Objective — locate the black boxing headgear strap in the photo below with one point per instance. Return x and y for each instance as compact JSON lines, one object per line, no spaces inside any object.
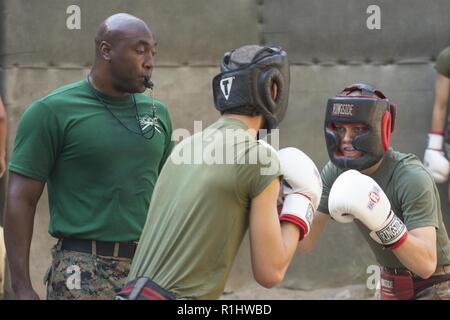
{"x":248,"y":89}
{"x":370,"y":108}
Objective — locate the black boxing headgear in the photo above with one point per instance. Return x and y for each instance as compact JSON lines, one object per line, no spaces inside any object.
{"x":248,"y":88}
{"x":370,"y":108}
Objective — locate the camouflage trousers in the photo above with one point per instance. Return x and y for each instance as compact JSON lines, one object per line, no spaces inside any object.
{"x":439,"y":291}
{"x":83,"y":276}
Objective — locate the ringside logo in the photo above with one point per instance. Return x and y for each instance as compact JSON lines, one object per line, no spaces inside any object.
{"x":394,"y":230}
{"x":343,"y":109}
{"x":374,"y":197}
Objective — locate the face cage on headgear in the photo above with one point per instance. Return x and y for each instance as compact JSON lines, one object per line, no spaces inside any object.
{"x":248,"y":89}
{"x":376,"y":113}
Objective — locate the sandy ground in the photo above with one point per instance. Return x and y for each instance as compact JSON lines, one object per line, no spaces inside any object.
{"x":255,"y":292}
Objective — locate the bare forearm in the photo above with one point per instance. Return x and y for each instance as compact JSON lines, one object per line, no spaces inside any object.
{"x":439,"y":117}
{"x":417,"y":255}
{"x":441,"y":99}
{"x":308,"y":243}
{"x":272,"y":253}
{"x":290,"y":235}
{"x":18,"y":228}
{"x":3,"y":131}
{"x":319,"y":223}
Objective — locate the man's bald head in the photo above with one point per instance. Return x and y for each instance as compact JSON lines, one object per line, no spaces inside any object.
{"x":118,"y":27}
{"x":125,"y":49}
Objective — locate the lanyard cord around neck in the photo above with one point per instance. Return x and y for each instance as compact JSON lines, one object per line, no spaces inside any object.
{"x":140,"y":132}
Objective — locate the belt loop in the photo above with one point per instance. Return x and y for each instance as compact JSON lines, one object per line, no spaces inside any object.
{"x":446,"y":268}
{"x":116,"y":249}
{"x":438,"y":270}
{"x":94,"y":247}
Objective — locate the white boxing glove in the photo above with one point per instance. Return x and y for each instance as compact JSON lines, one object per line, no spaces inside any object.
{"x":355,"y":195}
{"x":434,"y":159}
{"x":302,"y":188}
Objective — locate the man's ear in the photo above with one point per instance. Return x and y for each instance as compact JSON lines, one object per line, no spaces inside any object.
{"x":105,"y":50}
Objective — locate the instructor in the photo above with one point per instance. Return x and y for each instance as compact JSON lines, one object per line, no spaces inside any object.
{"x":99,"y":145}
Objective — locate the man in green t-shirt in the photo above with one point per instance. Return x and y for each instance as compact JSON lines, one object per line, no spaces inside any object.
{"x":221,"y":182}
{"x":435,"y":159}
{"x":99,"y":145}
{"x":389,"y":194}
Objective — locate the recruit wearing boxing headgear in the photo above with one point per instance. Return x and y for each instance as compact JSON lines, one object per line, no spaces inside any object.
{"x":370,"y":108}
{"x":258,"y":87}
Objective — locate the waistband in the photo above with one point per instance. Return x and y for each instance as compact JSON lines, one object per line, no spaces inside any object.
{"x":144,"y":288}
{"x":440,"y":270}
{"x":101,"y":248}
{"x":441,"y":274}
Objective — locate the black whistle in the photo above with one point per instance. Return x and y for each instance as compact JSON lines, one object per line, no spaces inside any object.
{"x":148,"y":83}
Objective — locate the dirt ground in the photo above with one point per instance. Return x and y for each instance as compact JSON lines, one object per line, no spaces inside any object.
{"x":255,"y":292}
